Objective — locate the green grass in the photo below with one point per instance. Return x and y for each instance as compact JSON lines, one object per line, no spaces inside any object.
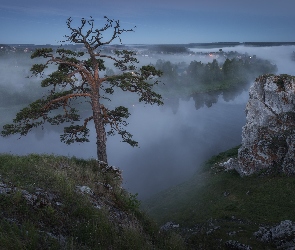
{"x":231,"y":202}
{"x":207,"y":217}
{"x":69,"y":220}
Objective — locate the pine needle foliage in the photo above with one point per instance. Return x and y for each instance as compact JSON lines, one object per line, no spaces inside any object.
{"x":81,"y":76}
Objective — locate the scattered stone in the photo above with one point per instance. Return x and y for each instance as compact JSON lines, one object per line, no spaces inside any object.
{"x":60,"y":238}
{"x":37,"y":199}
{"x":107,"y":168}
{"x":118,"y":216}
{"x":233,"y":244}
{"x":108,"y":186}
{"x":4,"y":189}
{"x":30,"y":198}
{"x":97,"y":206}
{"x":212,"y":230}
{"x":282,"y":235}
{"x":84,"y":189}
{"x":229,"y":164}
{"x":232,"y":233}
{"x":225,"y":194}
{"x":168,"y":226}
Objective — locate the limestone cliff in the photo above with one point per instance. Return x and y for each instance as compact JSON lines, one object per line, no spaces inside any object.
{"x":268,"y":138}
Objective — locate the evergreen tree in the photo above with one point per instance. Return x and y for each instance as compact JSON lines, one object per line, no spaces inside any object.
{"x":78,"y":75}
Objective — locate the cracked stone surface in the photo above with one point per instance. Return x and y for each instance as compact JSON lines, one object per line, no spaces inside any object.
{"x":268,"y":138}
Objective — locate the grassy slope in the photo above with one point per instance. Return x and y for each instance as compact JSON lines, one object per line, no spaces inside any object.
{"x":230,"y":202}
{"x":199,"y":204}
{"x":30,"y":219}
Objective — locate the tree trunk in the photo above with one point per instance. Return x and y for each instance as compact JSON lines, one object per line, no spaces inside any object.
{"x":101,"y":138}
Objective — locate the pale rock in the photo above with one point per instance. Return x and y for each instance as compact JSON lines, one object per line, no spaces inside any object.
{"x":169,"y":225}
{"x":84,"y":189}
{"x":281,"y":235}
{"x":268,"y":138}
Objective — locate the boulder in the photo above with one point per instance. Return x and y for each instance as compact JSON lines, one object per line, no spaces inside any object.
{"x":282,"y":235}
{"x":268,"y":138}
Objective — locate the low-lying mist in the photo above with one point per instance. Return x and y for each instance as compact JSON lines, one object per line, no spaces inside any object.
{"x":171,"y":145}
{"x":279,"y":55}
{"x":174,"y":139}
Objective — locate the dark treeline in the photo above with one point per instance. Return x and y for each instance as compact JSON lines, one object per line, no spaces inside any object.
{"x":199,"y":77}
{"x":168,"y":48}
{"x":205,"y":82}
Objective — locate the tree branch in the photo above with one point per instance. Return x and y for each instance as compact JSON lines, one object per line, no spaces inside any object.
{"x":64,"y":98}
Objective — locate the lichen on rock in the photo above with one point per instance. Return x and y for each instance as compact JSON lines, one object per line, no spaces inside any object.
{"x":268,"y":138}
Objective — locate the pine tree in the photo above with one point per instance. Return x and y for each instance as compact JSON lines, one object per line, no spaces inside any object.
{"x":78,"y":75}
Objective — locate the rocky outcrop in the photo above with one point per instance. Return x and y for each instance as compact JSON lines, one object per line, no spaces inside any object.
{"x":268,"y":138}
{"x":282,"y":235}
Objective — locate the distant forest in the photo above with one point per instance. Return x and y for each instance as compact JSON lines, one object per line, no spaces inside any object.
{"x":228,"y":71}
{"x":198,"y":77}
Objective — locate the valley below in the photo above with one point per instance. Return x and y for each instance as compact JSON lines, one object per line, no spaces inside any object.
{"x":176,"y":177}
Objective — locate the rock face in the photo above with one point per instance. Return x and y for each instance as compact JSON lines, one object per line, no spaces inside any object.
{"x":268,"y":138}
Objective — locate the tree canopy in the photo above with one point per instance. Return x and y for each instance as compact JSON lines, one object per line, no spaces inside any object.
{"x":82,"y":75}
{"x":200,"y":77}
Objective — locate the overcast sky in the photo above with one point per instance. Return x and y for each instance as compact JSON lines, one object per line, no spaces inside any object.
{"x":156,"y":21}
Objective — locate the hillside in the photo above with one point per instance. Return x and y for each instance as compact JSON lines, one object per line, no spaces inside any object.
{"x":218,"y":209}
{"x":50,"y":202}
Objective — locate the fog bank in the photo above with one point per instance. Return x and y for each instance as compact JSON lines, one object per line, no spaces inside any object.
{"x":173,"y":141}
{"x":172,"y":146}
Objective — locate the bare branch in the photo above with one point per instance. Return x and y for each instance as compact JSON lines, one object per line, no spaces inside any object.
{"x":93,"y":38}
